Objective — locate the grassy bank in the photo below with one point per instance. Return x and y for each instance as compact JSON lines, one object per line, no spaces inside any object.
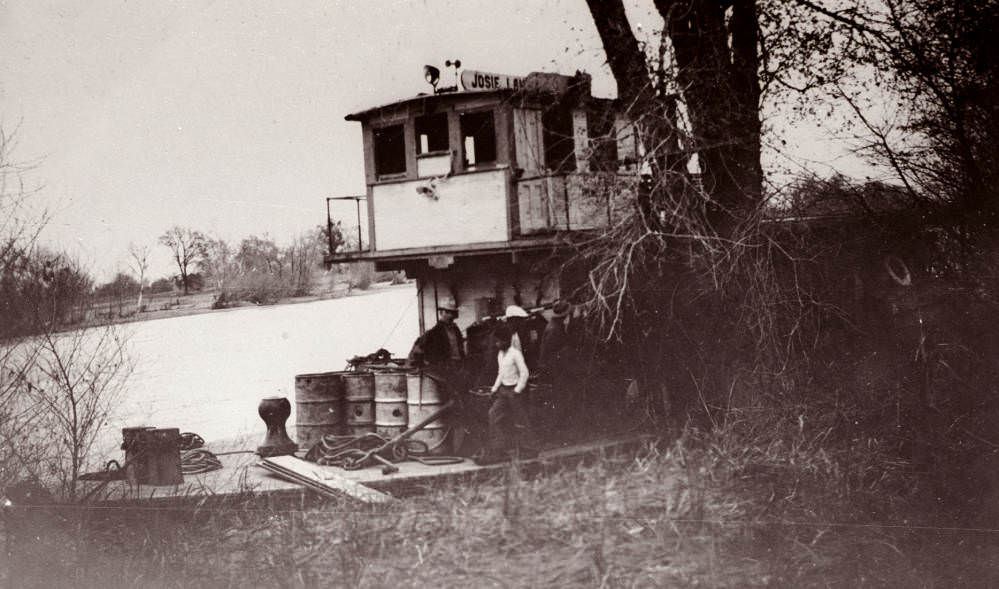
{"x":703,"y":510}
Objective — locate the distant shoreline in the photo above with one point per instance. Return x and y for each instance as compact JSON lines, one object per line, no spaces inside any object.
{"x":200,"y":304}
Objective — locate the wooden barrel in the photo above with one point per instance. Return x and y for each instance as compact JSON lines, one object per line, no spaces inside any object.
{"x":319,"y":407}
{"x":359,"y":390}
{"x":424,"y":396}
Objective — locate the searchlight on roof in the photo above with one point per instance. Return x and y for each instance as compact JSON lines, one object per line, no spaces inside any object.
{"x":433,"y":76}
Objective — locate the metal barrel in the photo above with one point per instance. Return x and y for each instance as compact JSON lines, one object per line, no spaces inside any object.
{"x":359,"y":389}
{"x":319,"y":407}
{"x":390,"y":385}
{"x":391,"y":415}
{"x":425,"y":395}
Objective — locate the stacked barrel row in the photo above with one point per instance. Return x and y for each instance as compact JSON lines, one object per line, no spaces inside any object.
{"x":359,"y":402}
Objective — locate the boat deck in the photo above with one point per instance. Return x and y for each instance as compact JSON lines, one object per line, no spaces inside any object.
{"x":242,"y":476}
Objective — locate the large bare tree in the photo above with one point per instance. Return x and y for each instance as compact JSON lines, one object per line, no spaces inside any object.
{"x":188,"y":247}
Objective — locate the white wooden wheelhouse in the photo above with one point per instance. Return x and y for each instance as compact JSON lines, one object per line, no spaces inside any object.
{"x":475,"y":193}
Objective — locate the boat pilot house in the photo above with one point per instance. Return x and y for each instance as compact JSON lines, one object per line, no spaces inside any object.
{"x":474,"y":192}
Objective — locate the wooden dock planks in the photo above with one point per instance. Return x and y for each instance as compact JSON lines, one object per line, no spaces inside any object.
{"x":321,"y":480}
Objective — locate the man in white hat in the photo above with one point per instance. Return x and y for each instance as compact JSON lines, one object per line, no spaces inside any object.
{"x":515,"y":317}
{"x":527,"y":329}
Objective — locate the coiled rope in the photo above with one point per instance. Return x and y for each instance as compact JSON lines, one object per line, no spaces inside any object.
{"x":349,"y":452}
{"x":194,"y":458}
{"x":198,"y":461}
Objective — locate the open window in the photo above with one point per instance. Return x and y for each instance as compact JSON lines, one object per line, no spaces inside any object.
{"x":431,"y":134}
{"x":478,"y":137}
{"x":603,"y":140}
{"x":390,"y":151}
{"x":560,"y":145}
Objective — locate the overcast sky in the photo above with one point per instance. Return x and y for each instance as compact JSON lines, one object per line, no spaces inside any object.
{"x":228,"y":116}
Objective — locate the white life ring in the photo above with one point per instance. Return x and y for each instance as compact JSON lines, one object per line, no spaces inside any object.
{"x":903,"y":277}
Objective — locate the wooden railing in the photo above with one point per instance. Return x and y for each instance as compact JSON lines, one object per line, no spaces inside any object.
{"x":573,"y":202}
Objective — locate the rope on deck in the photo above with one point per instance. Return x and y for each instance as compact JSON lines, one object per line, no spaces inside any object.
{"x":348,"y":451}
{"x":194,"y":458}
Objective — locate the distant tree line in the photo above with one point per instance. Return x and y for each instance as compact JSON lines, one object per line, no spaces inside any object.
{"x":256,"y":269}
{"x":41,"y":288}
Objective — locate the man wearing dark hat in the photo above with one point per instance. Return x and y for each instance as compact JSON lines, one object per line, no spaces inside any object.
{"x":443,"y":343}
{"x":442,"y":349}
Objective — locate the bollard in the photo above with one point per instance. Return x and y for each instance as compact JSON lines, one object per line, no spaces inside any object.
{"x":275,"y":412}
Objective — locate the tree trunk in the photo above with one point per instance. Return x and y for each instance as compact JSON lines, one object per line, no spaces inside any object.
{"x":653,"y":112}
{"x":716,"y":68}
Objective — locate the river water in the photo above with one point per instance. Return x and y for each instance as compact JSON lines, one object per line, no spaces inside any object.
{"x":207,"y":373}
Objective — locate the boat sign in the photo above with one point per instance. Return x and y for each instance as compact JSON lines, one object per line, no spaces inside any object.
{"x":474,"y":80}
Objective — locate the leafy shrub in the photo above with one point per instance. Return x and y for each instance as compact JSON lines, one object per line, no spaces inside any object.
{"x":260,"y":288}
{"x":361,"y":276}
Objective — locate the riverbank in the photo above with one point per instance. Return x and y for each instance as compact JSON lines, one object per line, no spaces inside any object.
{"x":172,"y":305}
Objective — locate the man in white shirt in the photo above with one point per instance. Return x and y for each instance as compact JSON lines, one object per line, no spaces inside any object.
{"x":509,"y":426}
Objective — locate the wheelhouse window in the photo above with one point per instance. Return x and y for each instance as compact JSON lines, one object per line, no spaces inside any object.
{"x":390,"y":151}
{"x":431,"y":133}
{"x":560,"y":145}
{"x":603,"y":140}
{"x":478,"y":136}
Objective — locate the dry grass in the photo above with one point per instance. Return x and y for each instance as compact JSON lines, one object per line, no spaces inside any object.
{"x":705,"y":511}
